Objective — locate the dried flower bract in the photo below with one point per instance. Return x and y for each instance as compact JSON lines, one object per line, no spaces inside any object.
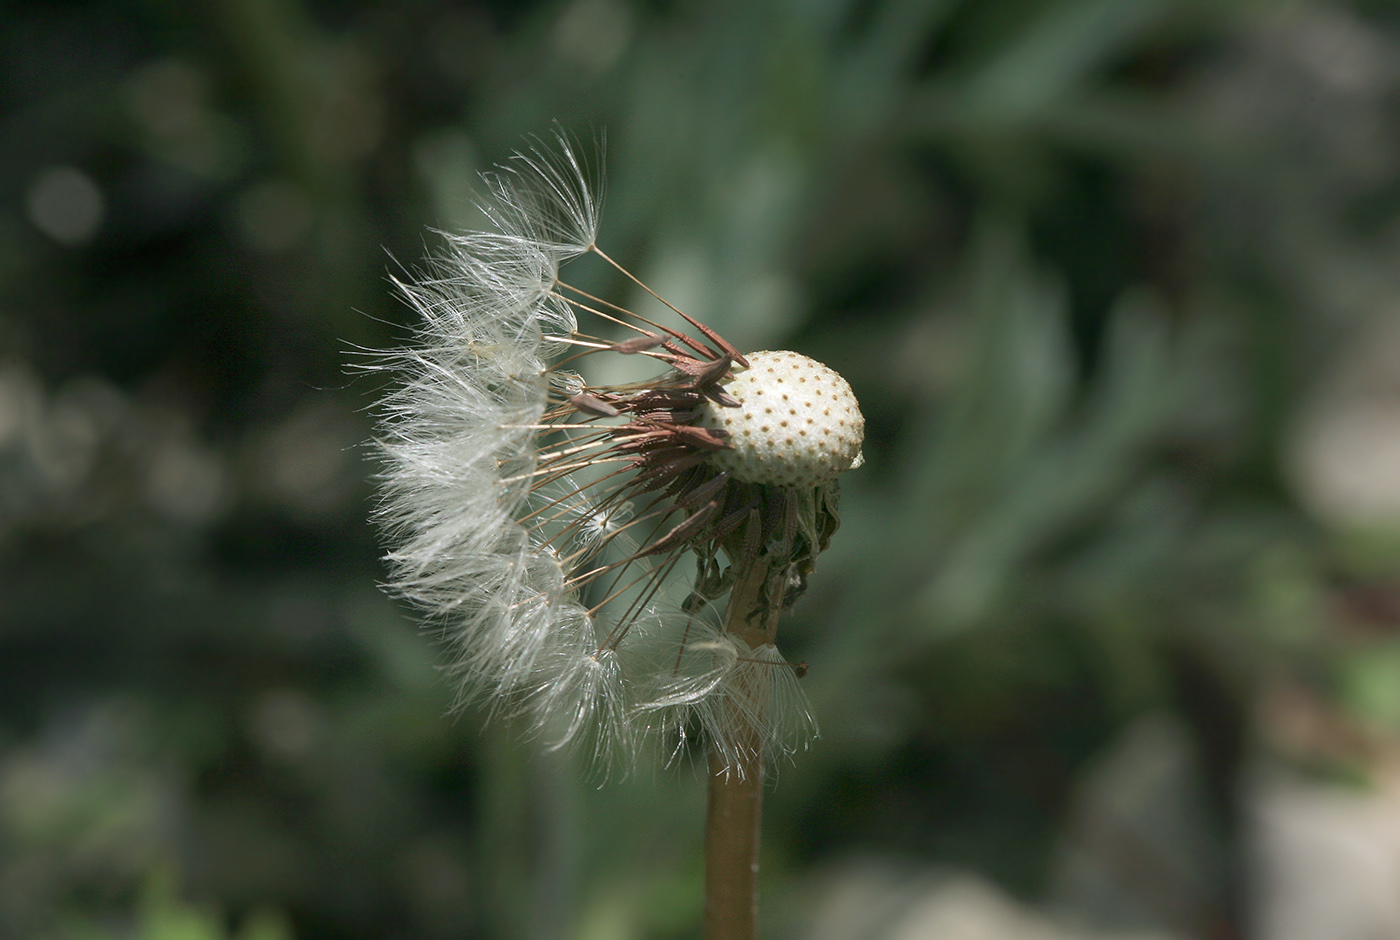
{"x":575,"y":540}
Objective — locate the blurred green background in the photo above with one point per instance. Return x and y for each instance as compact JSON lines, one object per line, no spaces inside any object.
{"x":1111,"y":623}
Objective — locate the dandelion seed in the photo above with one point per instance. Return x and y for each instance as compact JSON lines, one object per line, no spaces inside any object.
{"x":549,"y":525}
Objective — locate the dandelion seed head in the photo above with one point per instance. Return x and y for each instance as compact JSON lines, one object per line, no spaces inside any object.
{"x":572,"y":540}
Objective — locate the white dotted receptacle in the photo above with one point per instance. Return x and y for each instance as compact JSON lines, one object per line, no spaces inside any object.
{"x":797,"y":424}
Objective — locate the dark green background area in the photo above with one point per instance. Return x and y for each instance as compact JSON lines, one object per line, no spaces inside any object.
{"x":1100,"y":272}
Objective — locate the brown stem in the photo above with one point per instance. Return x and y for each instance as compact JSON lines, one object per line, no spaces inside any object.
{"x":736,"y":785}
{"x":731,"y":850}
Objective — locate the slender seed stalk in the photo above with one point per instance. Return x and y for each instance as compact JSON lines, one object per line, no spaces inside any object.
{"x":735,"y":806}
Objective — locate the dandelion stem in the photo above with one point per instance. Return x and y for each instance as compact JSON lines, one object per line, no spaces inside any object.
{"x":731,"y":850}
{"x":735,"y":810}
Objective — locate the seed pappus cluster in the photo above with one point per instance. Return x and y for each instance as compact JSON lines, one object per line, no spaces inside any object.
{"x":573,"y":540}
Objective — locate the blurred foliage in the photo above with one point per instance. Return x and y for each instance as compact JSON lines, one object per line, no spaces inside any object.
{"x":1111,"y":278}
{"x":161,"y":915}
